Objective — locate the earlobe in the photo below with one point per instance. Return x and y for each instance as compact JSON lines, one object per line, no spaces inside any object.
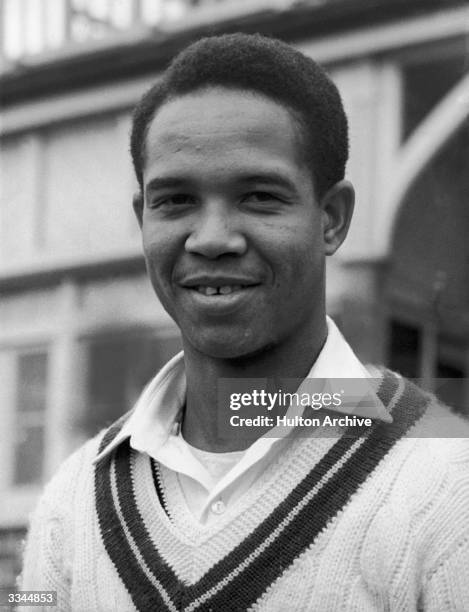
{"x":337,"y":205}
{"x":138,"y":207}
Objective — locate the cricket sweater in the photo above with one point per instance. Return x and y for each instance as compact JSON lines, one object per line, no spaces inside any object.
{"x":373,"y":522}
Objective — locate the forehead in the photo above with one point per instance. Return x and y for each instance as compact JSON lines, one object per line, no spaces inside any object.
{"x":222,"y":125}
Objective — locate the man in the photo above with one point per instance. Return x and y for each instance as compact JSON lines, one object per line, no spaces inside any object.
{"x":240,"y":152}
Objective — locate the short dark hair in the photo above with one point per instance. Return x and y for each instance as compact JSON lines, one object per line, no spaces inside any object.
{"x":262,"y":65}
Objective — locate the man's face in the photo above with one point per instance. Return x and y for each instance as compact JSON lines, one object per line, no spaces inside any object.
{"x":232,"y":230}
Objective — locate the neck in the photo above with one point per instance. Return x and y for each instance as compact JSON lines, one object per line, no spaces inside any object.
{"x":200,"y":426}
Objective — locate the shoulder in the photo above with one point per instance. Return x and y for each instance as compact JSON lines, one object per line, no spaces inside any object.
{"x":429,"y":461}
{"x":49,"y":550}
{"x":76,"y":472}
{"x":69,"y":481}
{"x":74,"y":478}
{"x":422,"y":413}
{"x":435,"y":440}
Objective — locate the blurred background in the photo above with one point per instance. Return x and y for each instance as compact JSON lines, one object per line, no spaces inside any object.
{"x":80,"y":330}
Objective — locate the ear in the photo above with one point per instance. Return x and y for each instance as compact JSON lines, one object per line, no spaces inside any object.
{"x":138,"y":207}
{"x":337,"y":206}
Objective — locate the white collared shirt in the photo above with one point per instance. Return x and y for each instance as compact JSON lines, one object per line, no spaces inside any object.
{"x":211,"y":482}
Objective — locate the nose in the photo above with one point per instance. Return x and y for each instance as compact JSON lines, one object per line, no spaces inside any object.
{"x":215,"y":233}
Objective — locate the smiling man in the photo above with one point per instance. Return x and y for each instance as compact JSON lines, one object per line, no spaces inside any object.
{"x":235,"y":239}
{"x":240,"y":153}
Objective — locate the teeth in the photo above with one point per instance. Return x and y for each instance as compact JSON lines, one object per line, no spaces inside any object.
{"x":209,"y":290}
{"x":225,"y":290}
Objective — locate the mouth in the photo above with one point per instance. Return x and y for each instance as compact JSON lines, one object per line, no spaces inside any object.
{"x":219,"y":297}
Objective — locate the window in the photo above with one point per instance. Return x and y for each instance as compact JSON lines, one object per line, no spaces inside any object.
{"x":31,"y":391}
{"x":10,"y":556}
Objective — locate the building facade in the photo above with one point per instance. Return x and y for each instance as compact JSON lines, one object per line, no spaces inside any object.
{"x":80,"y":329}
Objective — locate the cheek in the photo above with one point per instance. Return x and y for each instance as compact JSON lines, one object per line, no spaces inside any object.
{"x":299,"y":259}
{"x":158,"y":260}
{"x":159,"y":250}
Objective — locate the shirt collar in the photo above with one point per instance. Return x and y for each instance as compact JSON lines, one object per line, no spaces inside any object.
{"x":158,"y":410}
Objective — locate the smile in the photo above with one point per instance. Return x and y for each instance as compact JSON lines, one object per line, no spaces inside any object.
{"x":219,"y":298}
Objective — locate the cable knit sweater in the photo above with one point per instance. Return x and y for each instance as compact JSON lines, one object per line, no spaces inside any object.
{"x":356,"y":523}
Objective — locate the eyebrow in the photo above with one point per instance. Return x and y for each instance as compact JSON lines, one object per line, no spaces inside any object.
{"x":272,"y":178}
{"x":164,"y":183}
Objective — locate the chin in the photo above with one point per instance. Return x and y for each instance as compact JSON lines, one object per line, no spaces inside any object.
{"x":229,"y":347}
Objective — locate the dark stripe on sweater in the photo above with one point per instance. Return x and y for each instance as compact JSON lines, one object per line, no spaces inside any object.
{"x":141,"y":590}
{"x":158,"y":488}
{"x":174,"y":587}
{"x":138,"y":530}
{"x":113,"y":430}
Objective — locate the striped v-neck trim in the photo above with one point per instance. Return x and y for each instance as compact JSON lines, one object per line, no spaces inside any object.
{"x":243,"y":575}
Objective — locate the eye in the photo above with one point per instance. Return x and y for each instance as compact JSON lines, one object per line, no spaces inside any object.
{"x":260,"y":197}
{"x":174,"y":200}
{"x":180,"y":198}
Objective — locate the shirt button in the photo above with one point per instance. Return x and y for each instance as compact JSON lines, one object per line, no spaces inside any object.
{"x":218,"y":507}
